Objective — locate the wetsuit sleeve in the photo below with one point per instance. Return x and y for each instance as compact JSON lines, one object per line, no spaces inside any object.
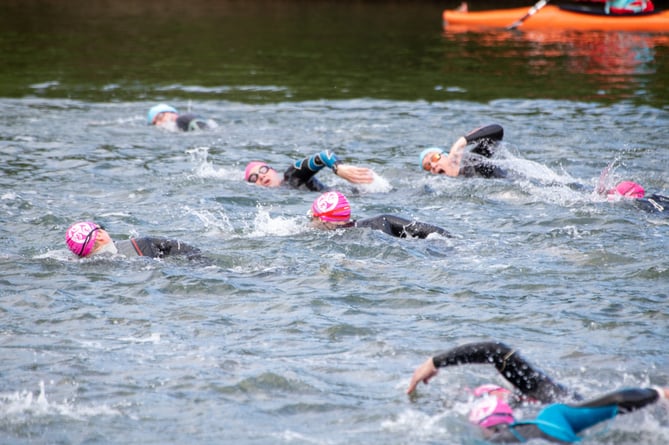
{"x":653,"y":204}
{"x":513,"y":367}
{"x":493,"y":132}
{"x":302,"y":173}
{"x":486,"y":139}
{"x":626,"y":400}
{"x":162,"y":247}
{"x":401,"y":227}
{"x":191,"y":122}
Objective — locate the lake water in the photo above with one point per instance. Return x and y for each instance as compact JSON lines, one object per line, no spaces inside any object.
{"x":293,"y":335}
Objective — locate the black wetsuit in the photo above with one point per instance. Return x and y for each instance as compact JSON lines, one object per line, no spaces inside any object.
{"x":654,"y":204}
{"x":303,"y":173}
{"x":191,"y":122}
{"x":556,"y":422}
{"x":399,"y":227}
{"x":156,"y":248}
{"x":474,"y":161}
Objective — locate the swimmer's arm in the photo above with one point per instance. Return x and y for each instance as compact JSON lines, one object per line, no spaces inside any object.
{"x":308,"y":167}
{"x":303,"y":170}
{"x":351,"y":173}
{"x":629,"y":399}
{"x":356,"y":175}
{"x":510,"y":364}
{"x":481,"y":353}
{"x":494,"y":132}
{"x":423,"y":373}
{"x":454,"y":158}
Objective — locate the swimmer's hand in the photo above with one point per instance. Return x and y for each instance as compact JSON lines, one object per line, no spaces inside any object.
{"x":424,"y":372}
{"x":356,"y":175}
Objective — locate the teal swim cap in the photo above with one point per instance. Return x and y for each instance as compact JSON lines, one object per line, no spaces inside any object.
{"x":156,"y":110}
{"x":426,"y":151}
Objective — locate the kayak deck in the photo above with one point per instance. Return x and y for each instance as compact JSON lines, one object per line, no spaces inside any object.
{"x":553,"y":17}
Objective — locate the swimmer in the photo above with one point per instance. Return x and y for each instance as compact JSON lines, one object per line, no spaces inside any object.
{"x":86,"y":238}
{"x":302,"y":174}
{"x":556,"y":422}
{"x":331,"y":211}
{"x":166,"y":116}
{"x":629,"y":190}
{"x":467,"y":164}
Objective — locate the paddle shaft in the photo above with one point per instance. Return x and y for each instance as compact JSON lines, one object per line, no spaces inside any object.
{"x":540,"y":4}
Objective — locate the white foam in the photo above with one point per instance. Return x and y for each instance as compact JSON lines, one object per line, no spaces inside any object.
{"x":265,"y":224}
{"x":17,"y":405}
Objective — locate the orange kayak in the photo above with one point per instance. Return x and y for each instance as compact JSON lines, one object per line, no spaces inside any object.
{"x":553,"y":17}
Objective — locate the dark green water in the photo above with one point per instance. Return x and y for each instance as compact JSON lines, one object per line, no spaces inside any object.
{"x":302,"y":50}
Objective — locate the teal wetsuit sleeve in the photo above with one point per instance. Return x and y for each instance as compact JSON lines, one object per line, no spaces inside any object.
{"x":302,"y":172}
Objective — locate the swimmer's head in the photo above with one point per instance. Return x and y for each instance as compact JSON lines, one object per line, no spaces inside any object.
{"x":491,"y":411}
{"x":425,"y":162}
{"x":331,"y":207}
{"x":260,"y":173}
{"x":250,"y":168}
{"x":628,"y":189}
{"x":80,"y":237}
{"x":156,"y":110}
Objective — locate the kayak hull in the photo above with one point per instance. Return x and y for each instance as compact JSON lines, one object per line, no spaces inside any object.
{"x":553,"y":18}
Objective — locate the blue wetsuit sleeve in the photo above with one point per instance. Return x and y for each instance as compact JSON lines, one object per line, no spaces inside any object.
{"x":302,"y":172}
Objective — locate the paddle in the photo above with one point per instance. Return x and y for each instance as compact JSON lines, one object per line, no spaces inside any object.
{"x":533,"y":10}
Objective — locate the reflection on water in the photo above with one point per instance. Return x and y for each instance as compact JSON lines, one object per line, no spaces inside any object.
{"x":612,"y":64}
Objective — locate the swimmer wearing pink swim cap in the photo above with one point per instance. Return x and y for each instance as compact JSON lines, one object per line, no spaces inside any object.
{"x":302,"y":174}
{"x":86,"y":239}
{"x":563,"y":418}
{"x":331,"y":210}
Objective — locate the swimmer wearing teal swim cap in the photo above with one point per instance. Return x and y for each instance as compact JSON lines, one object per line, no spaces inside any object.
{"x":472,"y":163}
{"x":166,"y":116}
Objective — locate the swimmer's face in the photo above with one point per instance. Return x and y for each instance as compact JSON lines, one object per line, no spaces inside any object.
{"x":265,"y":176}
{"x":102,"y":238}
{"x":434,"y":162}
{"x":326,"y":225}
{"x":164,"y":118}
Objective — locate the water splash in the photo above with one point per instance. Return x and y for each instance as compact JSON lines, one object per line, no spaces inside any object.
{"x":17,"y":406}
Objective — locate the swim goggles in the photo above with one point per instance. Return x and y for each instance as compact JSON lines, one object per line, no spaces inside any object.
{"x":434,"y":158}
{"x":253,"y":177}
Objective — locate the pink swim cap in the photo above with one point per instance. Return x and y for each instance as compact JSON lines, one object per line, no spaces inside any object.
{"x":628,"y":189}
{"x":251,"y":165}
{"x":488,"y":388}
{"x":491,"y":411}
{"x":80,"y":237}
{"x":331,"y":207}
